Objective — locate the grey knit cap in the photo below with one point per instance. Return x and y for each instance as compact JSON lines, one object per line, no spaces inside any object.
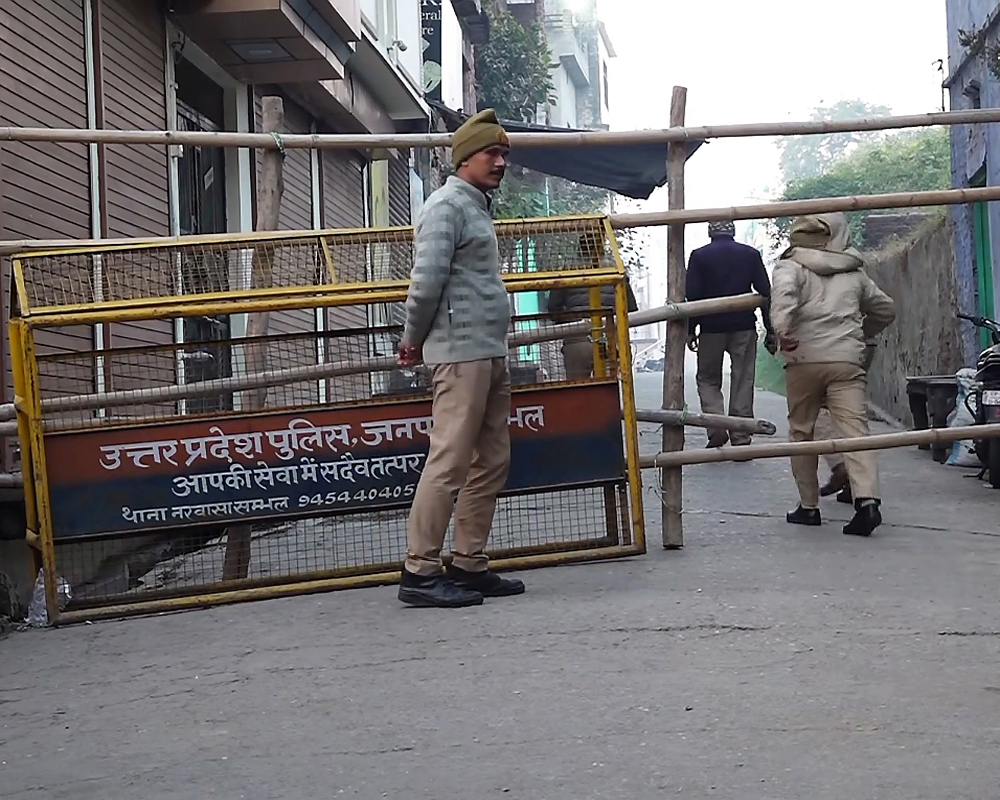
{"x":721,"y":228}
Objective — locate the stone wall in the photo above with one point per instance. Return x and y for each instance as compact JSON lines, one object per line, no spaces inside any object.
{"x":925,"y":339}
{"x":880,"y":229}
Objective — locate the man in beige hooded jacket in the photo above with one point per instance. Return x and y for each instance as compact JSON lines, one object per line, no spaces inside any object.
{"x":824,"y":309}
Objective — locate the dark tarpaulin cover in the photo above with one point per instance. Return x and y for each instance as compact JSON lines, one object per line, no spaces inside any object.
{"x":630,"y":170}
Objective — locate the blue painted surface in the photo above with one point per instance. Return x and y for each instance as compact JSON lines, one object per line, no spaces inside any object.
{"x":971,"y":146}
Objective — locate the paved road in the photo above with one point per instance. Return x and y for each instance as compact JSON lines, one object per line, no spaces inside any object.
{"x":759,"y":663}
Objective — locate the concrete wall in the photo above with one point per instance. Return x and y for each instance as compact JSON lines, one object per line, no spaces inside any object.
{"x":919,"y":275}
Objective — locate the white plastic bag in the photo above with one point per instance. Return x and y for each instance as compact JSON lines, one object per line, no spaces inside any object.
{"x":963,"y":454}
{"x":38,"y":614}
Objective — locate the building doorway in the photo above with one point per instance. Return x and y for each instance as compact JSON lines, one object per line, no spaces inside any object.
{"x":202,"y":210}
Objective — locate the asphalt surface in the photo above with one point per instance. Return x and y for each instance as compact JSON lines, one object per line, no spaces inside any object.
{"x":760,"y":662}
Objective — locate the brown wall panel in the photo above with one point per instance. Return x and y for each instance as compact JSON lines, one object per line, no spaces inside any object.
{"x":132,"y":37}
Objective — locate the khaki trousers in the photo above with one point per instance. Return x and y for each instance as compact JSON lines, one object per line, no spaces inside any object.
{"x":840,"y":387}
{"x":466,"y":467}
{"x":824,"y":430}
{"x":742,"y":349}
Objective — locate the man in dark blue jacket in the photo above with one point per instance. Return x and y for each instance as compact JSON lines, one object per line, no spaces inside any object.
{"x":723,"y":268}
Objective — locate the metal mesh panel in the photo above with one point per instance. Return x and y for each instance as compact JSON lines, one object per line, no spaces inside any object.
{"x":140,"y":567}
{"x":235,"y":263}
{"x":328,"y":348}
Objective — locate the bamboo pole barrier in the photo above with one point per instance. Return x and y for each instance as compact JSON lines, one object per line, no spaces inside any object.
{"x":881,"y":441}
{"x":785,"y":208}
{"x":682,"y":418}
{"x":675,"y":133}
{"x":821,"y":205}
{"x":691,"y":308}
{"x":671,"y":478}
{"x":338,"y":369}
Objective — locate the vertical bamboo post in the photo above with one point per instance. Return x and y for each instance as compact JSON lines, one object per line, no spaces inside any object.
{"x":270,"y":185}
{"x":673,"y":362}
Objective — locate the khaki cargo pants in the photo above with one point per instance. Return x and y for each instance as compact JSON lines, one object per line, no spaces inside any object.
{"x":466,"y":467}
{"x":840,"y":387}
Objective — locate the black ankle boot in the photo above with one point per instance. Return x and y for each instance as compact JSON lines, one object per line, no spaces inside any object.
{"x":487,"y":582}
{"x":867,"y":518}
{"x":435,"y":591}
{"x":838,"y":480}
{"x":804,"y":516}
{"x":845,"y":496}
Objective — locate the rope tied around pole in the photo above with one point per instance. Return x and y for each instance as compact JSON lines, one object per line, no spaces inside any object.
{"x":279,"y":142}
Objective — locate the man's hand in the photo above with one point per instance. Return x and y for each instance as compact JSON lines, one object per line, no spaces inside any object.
{"x":410,"y":354}
{"x":869,"y":356}
{"x":787,"y":343}
{"x":771,"y":343}
{"x":693,"y":342}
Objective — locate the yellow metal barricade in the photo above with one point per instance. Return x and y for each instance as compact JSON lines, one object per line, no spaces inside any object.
{"x":185,"y":463}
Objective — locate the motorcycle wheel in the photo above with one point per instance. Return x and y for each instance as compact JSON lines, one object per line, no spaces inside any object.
{"x":993,"y":466}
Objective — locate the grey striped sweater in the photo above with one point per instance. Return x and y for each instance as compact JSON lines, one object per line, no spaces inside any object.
{"x":457,"y":305}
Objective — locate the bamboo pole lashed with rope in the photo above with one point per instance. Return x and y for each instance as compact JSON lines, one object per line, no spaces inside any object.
{"x":784,"y":208}
{"x":722,"y":421}
{"x":880,"y":441}
{"x":350,"y":141}
{"x":336,"y":369}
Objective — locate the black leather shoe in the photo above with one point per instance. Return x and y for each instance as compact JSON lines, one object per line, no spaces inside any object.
{"x":487,"y":582}
{"x":804,"y":516}
{"x":845,"y":496}
{"x":867,"y":518}
{"x":838,"y":480}
{"x":435,"y":591}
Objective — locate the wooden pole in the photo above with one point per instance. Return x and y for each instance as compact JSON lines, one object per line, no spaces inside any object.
{"x":270,"y":186}
{"x":682,"y":418}
{"x":715,"y":305}
{"x":943,"y":197}
{"x":822,"y":205}
{"x":671,"y":479}
{"x":881,"y":441}
{"x":264,"y":141}
{"x":336,"y":369}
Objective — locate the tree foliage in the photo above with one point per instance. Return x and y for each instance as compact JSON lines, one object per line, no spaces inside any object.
{"x":632,"y":244}
{"x":513,"y":74}
{"x":513,"y":68}
{"x":807,"y":156}
{"x":525,"y":193}
{"x":904,"y":162}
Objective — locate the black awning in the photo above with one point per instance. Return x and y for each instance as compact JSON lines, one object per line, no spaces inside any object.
{"x":633,"y":170}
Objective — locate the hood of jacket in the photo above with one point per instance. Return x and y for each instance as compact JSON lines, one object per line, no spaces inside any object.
{"x":822,"y":244}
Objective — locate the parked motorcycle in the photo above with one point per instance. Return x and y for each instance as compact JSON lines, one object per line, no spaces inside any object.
{"x":987,"y":396}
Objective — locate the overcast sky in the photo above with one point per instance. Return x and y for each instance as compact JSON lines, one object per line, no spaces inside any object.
{"x":764,"y":61}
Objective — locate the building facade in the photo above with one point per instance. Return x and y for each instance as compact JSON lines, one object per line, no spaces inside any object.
{"x":975,"y":158}
{"x":341,"y":66}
